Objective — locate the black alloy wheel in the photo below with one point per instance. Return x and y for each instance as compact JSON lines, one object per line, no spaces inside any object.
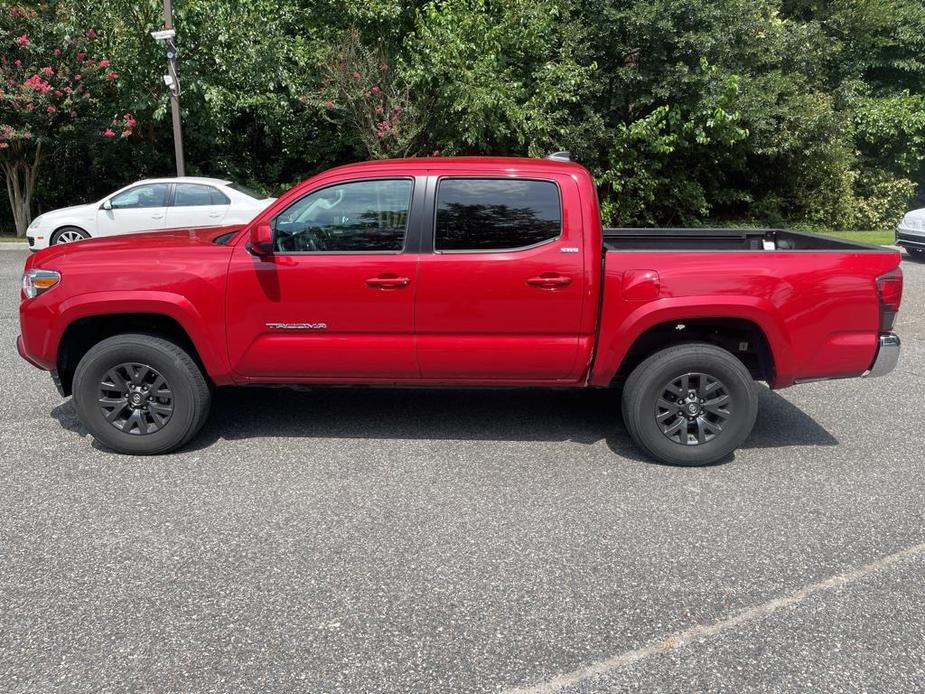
{"x":690,"y":404}
{"x":135,"y":398}
{"x":141,"y":394}
{"x":693,"y":408}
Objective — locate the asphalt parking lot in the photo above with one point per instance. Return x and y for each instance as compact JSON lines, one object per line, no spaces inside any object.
{"x":456,"y":541}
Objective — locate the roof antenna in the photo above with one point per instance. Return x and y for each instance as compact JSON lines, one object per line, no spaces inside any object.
{"x":563,"y":155}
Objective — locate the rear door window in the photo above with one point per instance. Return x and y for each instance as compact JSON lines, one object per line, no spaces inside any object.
{"x":482,"y":214}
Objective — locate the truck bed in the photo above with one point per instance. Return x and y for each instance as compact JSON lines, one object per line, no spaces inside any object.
{"x":668,"y":239}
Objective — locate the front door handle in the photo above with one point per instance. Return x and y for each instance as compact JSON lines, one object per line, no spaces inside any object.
{"x":388,"y":281}
{"x":550,"y":280}
{"x":157,"y":215}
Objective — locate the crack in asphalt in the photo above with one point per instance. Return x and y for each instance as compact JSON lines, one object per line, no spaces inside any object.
{"x":706,"y":631}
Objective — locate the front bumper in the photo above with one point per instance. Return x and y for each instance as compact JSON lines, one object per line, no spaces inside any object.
{"x":887,"y":356}
{"x":21,"y":348}
{"x":910,"y":238}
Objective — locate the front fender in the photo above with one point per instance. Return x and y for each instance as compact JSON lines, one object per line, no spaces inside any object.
{"x":206,"y":336}
{"x":621,"y":328}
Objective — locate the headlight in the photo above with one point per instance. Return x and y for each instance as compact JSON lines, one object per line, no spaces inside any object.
{"x":36,"y":281}
{"x":36,"y":223}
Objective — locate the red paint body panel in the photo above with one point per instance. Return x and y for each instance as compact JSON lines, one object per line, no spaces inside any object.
{"x":478,"y":317}
{"x":369,"y":331}
{"x":178,"y":274}
{"x":461,"y":318}
{"x":805,"y":303}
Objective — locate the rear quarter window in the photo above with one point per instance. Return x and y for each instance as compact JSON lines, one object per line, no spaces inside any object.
{"x":483,"y":214}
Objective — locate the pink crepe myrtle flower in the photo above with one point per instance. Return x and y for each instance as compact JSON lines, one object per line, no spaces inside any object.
{"x":48,"y":71}
{"x":4,"y":145}
{"x":329,"y":104}
{"x":104,"y":63}
{"x":375,"y":90}
{"x":51,"y":109}
{"x":23,"y":40}
{"x":91,"y":34}
{"x":38,"y":84}
{"x":108,"y":132}
{"x":57,"y":52}
{"x":112,"y":76}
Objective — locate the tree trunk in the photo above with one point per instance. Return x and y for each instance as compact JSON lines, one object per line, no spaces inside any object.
{"x":20,"y":174}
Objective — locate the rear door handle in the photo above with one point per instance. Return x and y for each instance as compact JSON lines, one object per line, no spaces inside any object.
{"x":550,"y":280}
{"x":388,"y":281}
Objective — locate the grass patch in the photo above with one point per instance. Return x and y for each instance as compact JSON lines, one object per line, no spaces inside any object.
{"x":880,"y":238}
{"x":11,"y":238}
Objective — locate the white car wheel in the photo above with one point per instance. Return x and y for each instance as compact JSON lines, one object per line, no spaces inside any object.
{"x":68,"y":235}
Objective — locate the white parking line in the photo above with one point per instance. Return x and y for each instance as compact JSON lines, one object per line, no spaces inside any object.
{"x":705,"y":631}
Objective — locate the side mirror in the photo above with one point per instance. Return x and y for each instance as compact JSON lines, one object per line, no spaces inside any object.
{"x":261,"y":239}
{"x":107,"y":205}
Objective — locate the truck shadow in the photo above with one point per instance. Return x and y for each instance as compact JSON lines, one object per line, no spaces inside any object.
{"x":471,"y":415}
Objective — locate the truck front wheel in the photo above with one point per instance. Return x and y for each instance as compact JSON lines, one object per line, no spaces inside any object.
{"x":140,"y":394}
{"x":691,"y":404}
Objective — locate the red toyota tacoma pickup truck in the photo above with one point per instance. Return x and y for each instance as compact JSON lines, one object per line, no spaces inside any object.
{"x":455,"y":272}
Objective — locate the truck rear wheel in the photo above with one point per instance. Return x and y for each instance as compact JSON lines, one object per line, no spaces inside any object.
{"x":690,"y":404}
{"x":140,"y":394}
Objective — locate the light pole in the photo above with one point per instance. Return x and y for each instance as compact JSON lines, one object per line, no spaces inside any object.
{"x":171,"y":79}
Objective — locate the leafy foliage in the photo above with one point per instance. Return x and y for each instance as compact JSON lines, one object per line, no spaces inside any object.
{"x":807,"y":112}
{"x":54,"y":86}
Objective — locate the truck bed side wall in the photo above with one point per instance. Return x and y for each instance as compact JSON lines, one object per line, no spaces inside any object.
{"x":818,"y":310}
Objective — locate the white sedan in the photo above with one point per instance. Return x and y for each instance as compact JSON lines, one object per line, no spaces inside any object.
{"x":150,"y":205}
{"x":910,"y":233}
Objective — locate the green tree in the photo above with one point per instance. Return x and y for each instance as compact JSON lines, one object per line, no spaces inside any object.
{"x":503,"y":77}
{"x":54,"y":89}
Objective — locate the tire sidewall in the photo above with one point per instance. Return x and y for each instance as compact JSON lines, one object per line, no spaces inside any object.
{"x":743,"y":403}
{"x":86,"y":392}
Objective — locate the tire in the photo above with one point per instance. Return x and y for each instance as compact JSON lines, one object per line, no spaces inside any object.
{"x":67,"y":235}
{"x":173,"y":396}
{"x":710,"y":434}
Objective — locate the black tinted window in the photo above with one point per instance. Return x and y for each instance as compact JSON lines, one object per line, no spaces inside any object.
{"x":194,"y":195}
{"x":360,"y":216}
{"x":495,"y":214}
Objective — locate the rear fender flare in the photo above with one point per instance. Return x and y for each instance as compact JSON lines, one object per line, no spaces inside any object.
{"x":617,"y":337}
